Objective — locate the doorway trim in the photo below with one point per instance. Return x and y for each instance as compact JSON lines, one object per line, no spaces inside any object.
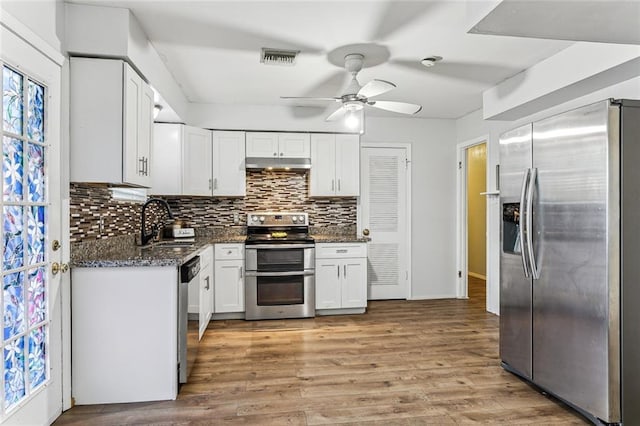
{"x":407,"y":148}
{"x":462,"y":284}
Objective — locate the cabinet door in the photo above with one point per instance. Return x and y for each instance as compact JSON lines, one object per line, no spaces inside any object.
{"x":144,"y":147}
{"x":323,"y":152}
{"x":196,"y":162}
{"x":228,"y":163}
{"x":294,"y":145}
{"x":166,"y":175}
{"x":354,"y":282}
{"x":347,"y":165}
{"x":206,"y":299}
{"x":229,"y":288}
{"x":132,"y":165}
{"x":328,"y":275}
{"x":262,"y":144}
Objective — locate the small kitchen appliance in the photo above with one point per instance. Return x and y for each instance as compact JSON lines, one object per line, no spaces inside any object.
{"x":280,"y":266}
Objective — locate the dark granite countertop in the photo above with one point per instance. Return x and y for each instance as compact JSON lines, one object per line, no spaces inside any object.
{"x":122,"y":251}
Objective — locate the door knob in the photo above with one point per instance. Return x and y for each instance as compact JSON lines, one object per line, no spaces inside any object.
{"x":55,"y":245}
{"x":365,"y":232}
{"x":59,"y":267}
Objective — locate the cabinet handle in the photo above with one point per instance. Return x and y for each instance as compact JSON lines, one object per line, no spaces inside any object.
{"x":338,"y":184}
{"x":342,"y":251}
{"x":206,"y":287}
{"x":210,"y":184}
{"x":215,"y":184}
{"x":345,"y":271}
{"x":146,"y":166}
{"x":333,"y":184}
{"x":241,"y":272}
{"x":141,"y":167}
{"x":338,"y":271}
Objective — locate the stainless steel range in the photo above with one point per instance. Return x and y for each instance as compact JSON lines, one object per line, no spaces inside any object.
{"x":280,"y":266}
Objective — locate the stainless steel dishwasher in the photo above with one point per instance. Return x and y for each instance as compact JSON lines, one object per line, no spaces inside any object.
{"x":187,"y":325}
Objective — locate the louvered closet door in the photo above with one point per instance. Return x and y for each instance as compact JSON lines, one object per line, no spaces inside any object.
{"x":383,"y":203}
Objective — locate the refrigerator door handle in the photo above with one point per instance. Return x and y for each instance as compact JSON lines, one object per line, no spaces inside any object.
{"x":523,"y":222}
{"x":535,"y":273}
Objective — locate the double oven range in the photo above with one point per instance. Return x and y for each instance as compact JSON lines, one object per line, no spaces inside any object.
{"x":280,"y":266}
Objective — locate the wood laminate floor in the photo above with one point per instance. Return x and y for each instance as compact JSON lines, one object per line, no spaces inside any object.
{"x":402,"y":363}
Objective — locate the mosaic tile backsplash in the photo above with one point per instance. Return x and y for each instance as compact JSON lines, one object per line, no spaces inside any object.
{"x":266,"y":190}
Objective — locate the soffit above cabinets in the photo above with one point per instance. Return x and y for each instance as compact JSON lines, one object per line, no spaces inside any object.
{"x":595,"y":21}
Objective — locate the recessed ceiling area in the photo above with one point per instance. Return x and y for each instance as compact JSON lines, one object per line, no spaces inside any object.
{"x":213,"y":50}
{"x":595,"y":21}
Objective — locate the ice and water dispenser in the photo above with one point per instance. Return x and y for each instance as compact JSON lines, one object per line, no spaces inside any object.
{"x":511,"y":228}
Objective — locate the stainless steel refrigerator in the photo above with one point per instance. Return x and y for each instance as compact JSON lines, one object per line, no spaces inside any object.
{"x":570,"y":258}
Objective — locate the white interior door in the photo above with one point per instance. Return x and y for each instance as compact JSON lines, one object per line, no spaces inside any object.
{"x":31,"y":299}
{"x":383,"y":204}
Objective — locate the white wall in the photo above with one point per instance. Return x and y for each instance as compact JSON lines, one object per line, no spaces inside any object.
{"x":43,"y":17}
{"x":473,"y":126}
{"x":433,"y":151}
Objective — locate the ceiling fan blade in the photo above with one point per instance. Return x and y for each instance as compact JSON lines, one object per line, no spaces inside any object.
{"x":375,"y":88}
{"x":401,"y":107}
{"x":310,"y":98}
{"x":336,"y":115}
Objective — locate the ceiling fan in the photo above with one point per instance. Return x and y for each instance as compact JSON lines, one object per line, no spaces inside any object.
{"x":355,"y":97}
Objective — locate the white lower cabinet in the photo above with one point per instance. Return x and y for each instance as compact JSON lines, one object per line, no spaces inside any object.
{"x":206,"y":289}
{"x":229,"y":278}
{"x":341,"y":278}
{"x":125,"y":339}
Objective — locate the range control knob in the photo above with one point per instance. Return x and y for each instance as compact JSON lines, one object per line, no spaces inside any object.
{"x":301,"y":218}
{"x":254,"y":218}
{"x":295,"y":219}
{"x":261,"y":218}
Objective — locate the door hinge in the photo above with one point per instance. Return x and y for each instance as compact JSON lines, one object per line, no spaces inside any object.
{"x":459,"y":165}
{"x":459,"y":274}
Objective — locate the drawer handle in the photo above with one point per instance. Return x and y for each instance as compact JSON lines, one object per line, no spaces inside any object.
{"x":342,"y":251}
{"x":229,"y":252}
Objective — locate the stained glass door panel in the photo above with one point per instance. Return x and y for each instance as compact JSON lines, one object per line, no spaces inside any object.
{"x":24,"y":224}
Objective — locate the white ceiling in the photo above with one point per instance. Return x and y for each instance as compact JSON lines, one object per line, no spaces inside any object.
{"x":213,"y":50}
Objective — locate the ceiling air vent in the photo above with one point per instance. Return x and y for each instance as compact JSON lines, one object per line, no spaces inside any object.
{"x":278,"y":56}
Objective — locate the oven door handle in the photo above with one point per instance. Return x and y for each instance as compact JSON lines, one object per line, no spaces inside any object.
{"x":278,"y":274}
{"x":278,"y":246}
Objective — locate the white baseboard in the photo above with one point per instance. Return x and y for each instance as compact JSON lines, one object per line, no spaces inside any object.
{"x":474,"y":275}
{"x":435,"y":296}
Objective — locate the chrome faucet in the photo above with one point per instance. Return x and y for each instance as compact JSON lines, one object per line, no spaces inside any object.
{"x":144,"y":237}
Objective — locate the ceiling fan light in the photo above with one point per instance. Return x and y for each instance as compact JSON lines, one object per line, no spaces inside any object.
{"x":352,"y":121}
{"x":353,"y":105}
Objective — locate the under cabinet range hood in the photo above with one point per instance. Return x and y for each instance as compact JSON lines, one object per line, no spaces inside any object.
{"x":271,"y":163}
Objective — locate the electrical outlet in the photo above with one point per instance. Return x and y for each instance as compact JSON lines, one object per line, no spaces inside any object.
{"x":101,"y":225}
{"x":236,"y":218}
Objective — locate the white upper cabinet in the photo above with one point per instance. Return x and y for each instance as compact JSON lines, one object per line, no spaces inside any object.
{"x":193,"y":161}
{"x":111,"y":111}
{"x":262,"y":144}
{"x":182,"y":160}
{"x":167,"y":159}
{"x":278,"y":145}
{"x":335,"y":165}
{"x":229,"y":175}
{"x":294,"y":145}
{"x":196,"y":162}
